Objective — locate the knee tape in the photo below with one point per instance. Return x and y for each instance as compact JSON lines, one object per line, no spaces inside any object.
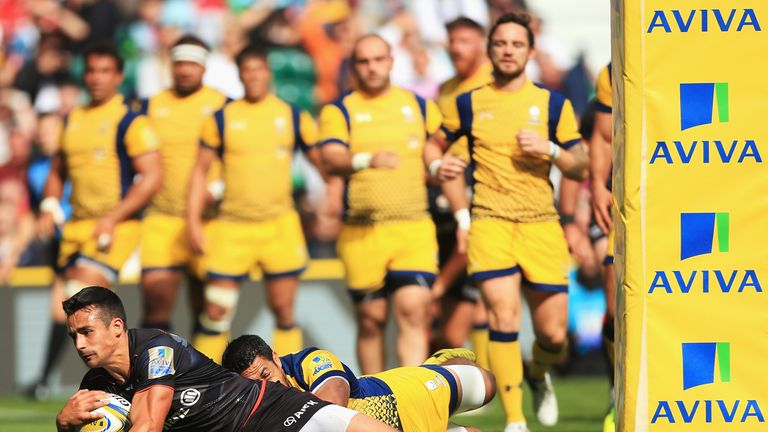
{"x":73,"y":286}
{"x":224,"y":297}
{"x":472,"y":386}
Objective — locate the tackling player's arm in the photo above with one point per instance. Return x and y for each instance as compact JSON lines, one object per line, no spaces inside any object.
{"x":51,"y":213}
{"x":150,"y":407}
{"x":210,"y":145}
{"x":334,"y":147}
{"x":141,"y":146}
{"x":77,"y":411}
{"x":600,"y":167}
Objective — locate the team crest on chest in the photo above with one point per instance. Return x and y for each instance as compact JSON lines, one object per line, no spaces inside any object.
{"x":407,"y":113}
{"x":280,"y":124}
{"x":534,"y":112}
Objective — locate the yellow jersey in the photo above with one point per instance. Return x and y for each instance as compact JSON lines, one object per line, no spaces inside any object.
{"x":508,"y":184}
{"x":449,"y":90}
{"x":604,"y":92}
{"x":177,"y":122}
{"x":411,"y":399}
{"x":97,"y":145}
{"x":397,"y":121}
{"x":255,"y":142}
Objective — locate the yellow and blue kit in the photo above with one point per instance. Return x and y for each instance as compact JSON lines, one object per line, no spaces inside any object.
{"x":604,"y":92}
{"x":604,"y":96}
{"x":387,"y":234}
{"x":97,"y":148}
{"x":177,"y":121}
{"x":257,"y":224}
{"x":411,"y":399}
{"x":515,"y":224}
{"x":451,"y":89}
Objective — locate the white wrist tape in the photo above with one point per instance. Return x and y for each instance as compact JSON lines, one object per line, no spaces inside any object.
{"x":463,"y":218}
{"x":361,"y":161}
{"x":53,"y":206}
{"x":216,"y":189}
{"x":434,"y":166}
{"x":554,"y":150}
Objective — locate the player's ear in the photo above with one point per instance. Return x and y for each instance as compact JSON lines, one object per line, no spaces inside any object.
{"x":276,"y":359}
{"x":118,"y":326}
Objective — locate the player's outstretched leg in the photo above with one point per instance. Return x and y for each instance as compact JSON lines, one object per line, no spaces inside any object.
{"x":334,"y":418}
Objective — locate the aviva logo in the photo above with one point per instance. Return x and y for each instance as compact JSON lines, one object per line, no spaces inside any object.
{"x":699,"y":230}
{"x":699,"y":363}
{"x":698,"y":102}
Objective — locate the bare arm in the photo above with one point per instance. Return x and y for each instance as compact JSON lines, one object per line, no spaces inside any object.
{"x":455,"y":190}
{"x":196,"y":197}
{"x":53,"y":188}
{"x":149,"y":170}
{"x":600,"y":167}
{"x":150,"y":407}
{"x":338,"y":160}
{"x":334,"y":390}
{"x":449,"y":273}
{"x":572,"y":162}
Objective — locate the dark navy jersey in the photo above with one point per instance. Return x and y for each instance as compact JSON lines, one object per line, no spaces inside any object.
{"x":206,"y":397}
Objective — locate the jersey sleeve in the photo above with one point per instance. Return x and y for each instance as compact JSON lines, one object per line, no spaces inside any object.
{"x":604,"y":93}
{"x":434,"y":118}
{"x":333,"y":126}
{"x":157,"y":364}
{"x":209,"y":134}
{"x":307,"y":130}
{"x":319,"y":365}
{"x":567,"y":131}
{"x":140,"y":138}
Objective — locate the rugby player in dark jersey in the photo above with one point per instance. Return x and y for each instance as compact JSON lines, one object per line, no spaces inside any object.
{"x":174,"y":387}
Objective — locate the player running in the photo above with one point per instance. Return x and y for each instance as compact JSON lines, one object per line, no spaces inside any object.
{"x":174,"y":387}
{"x":515,"y":131}
{"x":411,"y":399}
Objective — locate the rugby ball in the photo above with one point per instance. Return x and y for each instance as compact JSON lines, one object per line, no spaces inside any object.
{"x":115,"y":416}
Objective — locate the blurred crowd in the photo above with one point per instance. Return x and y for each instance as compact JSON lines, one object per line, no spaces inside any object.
{"x":308,"y":41}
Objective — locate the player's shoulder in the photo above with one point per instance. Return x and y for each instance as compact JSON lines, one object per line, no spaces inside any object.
{"x":145,"y":340}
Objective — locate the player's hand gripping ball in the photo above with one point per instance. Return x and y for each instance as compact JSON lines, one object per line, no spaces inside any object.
{"x":115,"y":416}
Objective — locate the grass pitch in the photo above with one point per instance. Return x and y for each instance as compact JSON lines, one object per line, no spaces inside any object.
{"x":583,"y":402}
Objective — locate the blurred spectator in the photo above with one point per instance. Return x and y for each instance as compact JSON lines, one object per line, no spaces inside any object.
{"x":40,"y":76}
{"x":221,"y":70}
{"x":101,"y":18}
{"x":432,"y":15}
{"x":422,"y":84}
{"x":16,"y":223}
{"x":328,"y":31}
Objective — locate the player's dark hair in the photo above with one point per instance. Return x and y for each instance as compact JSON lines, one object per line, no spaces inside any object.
{"x":519,"y":18}
{"x":467,"y":23}
{"x":250,"y":51}
{"x":106,"y":49}
{"x":189,"y":39}
{"x":241,"y":352}
{"x":98,"y":298}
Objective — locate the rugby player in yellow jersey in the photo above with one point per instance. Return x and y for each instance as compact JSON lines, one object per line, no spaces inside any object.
{"x":374,"y":137}
{"x":411,"y":399}
{"x":462,"y":314}
{"x":602,"y":201}
{"x":515,"y":131}
{"x":256,"y":225}
{"x":176,"y":115}
{"x":109,"y":154}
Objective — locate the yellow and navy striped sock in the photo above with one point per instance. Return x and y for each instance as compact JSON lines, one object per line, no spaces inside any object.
{"x":506,"y":363}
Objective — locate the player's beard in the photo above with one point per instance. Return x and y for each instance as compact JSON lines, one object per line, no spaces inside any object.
{"x":507,"y":76}
{"x":183,"y":90}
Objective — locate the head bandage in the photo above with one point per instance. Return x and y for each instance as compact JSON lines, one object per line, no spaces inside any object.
{"x":190,"y":53}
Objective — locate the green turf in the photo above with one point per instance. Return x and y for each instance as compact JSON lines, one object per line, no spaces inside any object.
{"x":582,"y":405}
